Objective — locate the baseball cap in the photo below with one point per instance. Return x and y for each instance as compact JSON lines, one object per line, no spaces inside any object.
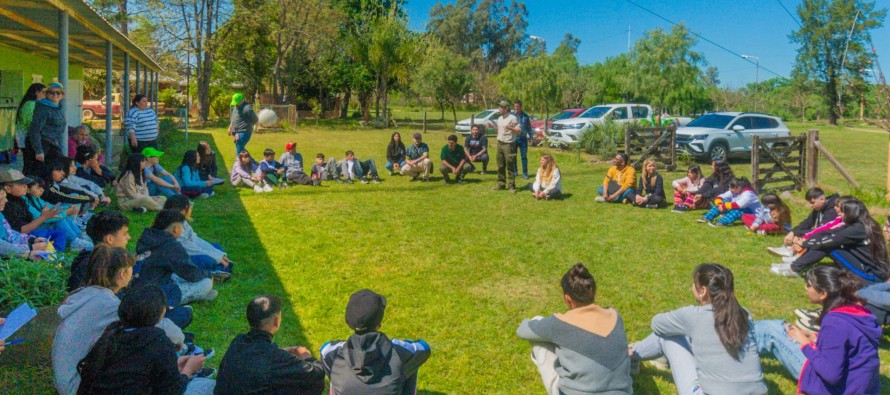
{"x":236,"y":98}
{"x":418,"y":136}
{"x":504,"y":103}
{"x":14,"y":176}
{"x":364,"y":312}
{"x":289,"y":146}
{"x":151,"y":152}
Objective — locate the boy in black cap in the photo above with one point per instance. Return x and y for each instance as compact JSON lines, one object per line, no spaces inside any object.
{"x":369,"y":362}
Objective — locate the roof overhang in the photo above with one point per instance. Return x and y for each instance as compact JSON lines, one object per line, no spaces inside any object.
{"x":33,"y":26}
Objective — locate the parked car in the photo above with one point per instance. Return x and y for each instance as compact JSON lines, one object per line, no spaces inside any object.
{"x":538,"y":124}
{"x":721,"y":135}
{"x":569,"y":131}
{"x":94,"y":108}
{"x":486,"y":118}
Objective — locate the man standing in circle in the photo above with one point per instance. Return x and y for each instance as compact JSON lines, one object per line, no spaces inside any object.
{"x":525,"y":124}
{"x":508,"y":128}
{"x":242,"y":122}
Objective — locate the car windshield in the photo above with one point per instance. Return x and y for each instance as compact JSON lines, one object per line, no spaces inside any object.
{"x":711,"y":121}
{"x":595,"y":112}
{"x":562,"y":115}
{"x":483,"y":114}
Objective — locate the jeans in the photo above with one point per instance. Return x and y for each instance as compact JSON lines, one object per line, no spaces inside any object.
{"x":192,"y":291}
{"x":678,"y":353}
{"x":157,"y":190}
{"x":241,"y":142}
{"x":361,"y":169}
{"x":58,"y":237}
{"x":522,"y":145}
{"x":484,"y":159}
{"x":389,"y":164}
{"x":141,"y":145}
{"x":207,"y":263}
{"x":771,"y":336}
{"x":627,"y":194}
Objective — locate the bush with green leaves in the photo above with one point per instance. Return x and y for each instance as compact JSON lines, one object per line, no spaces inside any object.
{"x":602,"y":139}
{"x":221,"y":106}
{"x":172,"y":98}
{"x":40,"y":283}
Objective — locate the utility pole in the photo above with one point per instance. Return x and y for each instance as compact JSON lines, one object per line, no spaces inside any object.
{"x":756,"y":79}
{"x":628,"y":38}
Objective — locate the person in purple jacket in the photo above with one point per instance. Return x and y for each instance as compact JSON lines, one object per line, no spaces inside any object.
{"x":843,"y":357}
{"x":244,"y":173}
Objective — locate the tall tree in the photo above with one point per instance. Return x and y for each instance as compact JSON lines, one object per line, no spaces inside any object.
{"x":443,"y":75}
{"x":534,"y":81}
{"x":833,"y":42}
{"x":666,"y":69}
{"x":245,"y":43}
{"x":391,"y":52}
{"x":574,"y":80}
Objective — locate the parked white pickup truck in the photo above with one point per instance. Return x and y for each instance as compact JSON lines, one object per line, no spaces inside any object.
{"x":569,"y":131}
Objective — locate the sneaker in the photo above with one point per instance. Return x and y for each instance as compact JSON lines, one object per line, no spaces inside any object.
{"x":661,"y":363}
{"x":339,"y":181}
{"x":220,"y":276}
{"x":284,"y":185}
{"x":268,"y":188}
{"x":140,"y":210}
{"x":808,"y":314}
{"x":680,"y":208}
{"x":364,"y":180}
{"x":783,"y":269}
{"x":716,"y":224}
{"x":257,"y":189}
{"x":703,"y":220}
{"x":348,"y":181}
{"x":807,"y":324}
{"x":498,"y":188}
{"x":205,"y":373}
{"x":375,"y":180}
{"x":482,"y":173}
{"x":209,"y":353}
{"x":789,"y":259}
{"x":780,"y":251}
{"x":600,"y":199}
{"x":203,"y":196}
{"x":210,"y":295}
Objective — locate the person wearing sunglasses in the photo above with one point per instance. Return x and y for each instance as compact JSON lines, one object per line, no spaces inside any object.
{"x":44,"y":142}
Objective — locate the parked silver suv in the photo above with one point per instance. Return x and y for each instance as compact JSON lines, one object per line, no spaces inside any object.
{"x":720,"y":135}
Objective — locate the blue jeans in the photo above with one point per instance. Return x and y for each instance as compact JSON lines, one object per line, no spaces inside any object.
{"x":157,"y":190}
{"x":628,"y":194}
{"x":207,"y":263}
{"x":388,"y":165}
{"x":241,"y":143}
{"x":522,"y":147}
{"x":771,"y":336}
{"x":57,"y":235}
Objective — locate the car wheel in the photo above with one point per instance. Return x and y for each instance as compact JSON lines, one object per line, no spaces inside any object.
{"x":88,"y":114}
{"x":718,"y":151}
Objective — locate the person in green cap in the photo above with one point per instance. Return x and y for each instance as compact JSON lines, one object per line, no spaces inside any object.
{"x":242,"y":122}
{"x":160,"y":182}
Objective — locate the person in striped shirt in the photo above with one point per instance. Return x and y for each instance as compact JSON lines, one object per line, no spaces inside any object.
{"x":141,"y":125}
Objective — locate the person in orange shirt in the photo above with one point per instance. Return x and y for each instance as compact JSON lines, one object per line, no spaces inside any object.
{"x":620,"y":183}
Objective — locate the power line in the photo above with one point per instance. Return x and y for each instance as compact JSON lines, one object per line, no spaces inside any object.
{"x":789,"y":13}
{"x":736,"y":54}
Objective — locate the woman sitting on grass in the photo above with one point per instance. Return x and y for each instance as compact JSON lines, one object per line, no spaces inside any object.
{"x":719,"y":331}
{"x":395,"y":154}
{"x":842,"y":358}
{"x":686,"y":195}
{"x":548,"y":181}
{"x":244,"y":173}
{"x":132,"y":191}
{"x":189,"y":178}
{"x":582,"y":351}
{"x":651,"y":187}
{"x":717,"y":182}
{"x":207,"y":169}
{"x":133,"y":356}
{"x":771,"y":219}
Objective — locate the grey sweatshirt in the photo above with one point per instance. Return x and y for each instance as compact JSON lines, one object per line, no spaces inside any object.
{"x":85,"y":315}
{"x":587,"y":363}
{"x":718,"y":372}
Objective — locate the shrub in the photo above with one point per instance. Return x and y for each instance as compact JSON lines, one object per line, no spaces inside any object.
{"x":172,"y":98}
{"x":166,"y":128}
{"x":602,"y":139}
{"x":38,"y":283}
{"x":221,"y":106}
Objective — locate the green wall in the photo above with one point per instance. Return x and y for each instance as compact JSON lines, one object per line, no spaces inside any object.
{"x":16,"y":60}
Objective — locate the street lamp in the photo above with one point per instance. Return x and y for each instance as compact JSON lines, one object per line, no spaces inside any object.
{"x":756,"y":78}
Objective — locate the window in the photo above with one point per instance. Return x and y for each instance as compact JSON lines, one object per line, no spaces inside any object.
{"x":711,"y":121}
{"x":639,"y":112}
{"x":745,"y":122}
{"x":761,"y":123}
{"x":619,"y":113}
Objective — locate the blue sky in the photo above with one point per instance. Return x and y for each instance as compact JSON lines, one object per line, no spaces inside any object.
{"x":752,"y":27}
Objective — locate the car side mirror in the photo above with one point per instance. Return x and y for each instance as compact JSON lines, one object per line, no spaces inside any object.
{"x":738,"y":128}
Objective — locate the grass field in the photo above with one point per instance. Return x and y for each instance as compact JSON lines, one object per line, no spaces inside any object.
{"x":462,"y":265}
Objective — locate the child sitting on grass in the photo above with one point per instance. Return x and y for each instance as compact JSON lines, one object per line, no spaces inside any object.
{"x":739,"y":199}
{"x":132,"y":191}
{"x":772,"y":217}
{"x":90,"y":168}
{"x":64,"y":220}
{"x":205,"y":255}
{"x":272,"y":170}
{"x":189,"y":179}
{"x":245,"y":173}
{"x":317,"y":172}
{"x":686,"y":195}
{"x":13,"y":243}
{"x":82,"y":185}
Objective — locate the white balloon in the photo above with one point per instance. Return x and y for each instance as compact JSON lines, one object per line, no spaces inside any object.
{"x":267,"y":118}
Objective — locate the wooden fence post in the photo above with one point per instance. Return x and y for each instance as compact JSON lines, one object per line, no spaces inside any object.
{"x":755,"y":163}
{"x":672,"y":129}
{"x":424,"y":121}
{"x":627,"y":141}
{"x":812,"y":162}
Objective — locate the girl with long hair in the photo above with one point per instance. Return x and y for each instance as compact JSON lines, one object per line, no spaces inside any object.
{"x":740,"y":199}
{"x":842,"y":358}
{"x":395,"y":153}
{"x":717,"y":182}
{"x":207,"y":169}
{"x":189,"y":178}
{"x":581,"y":351}
{"x":720,"y":332}
{"x":244,"y":173}
{"x":651,"y":187}
{"x":548,"y":180}
{"x":858,"y":246}
{"x":686,"y":195}
{"x":25,"y":112}
{"x":131,"y":188}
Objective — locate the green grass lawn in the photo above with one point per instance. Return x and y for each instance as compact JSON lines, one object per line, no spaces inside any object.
{"x":462,"y":265}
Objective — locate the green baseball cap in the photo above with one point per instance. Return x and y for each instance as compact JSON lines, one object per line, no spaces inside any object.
{"x":504,"y":103}
{"x":236,"y":98}
{"x":151,"y":152}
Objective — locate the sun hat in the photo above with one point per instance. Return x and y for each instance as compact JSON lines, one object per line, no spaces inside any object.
{"x":151,"y":152}
{"x":236,"y":98}
{"x":364,"y":312}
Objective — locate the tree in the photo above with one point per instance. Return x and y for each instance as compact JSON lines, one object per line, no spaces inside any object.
{"x":574,"y":80}
{"x":832,"y":39}
{"x":666,"y":69}
{"x":533,"y":80}
{"x":443,"y":75}
{"x":390,"y":52}
{"x":245,"y":45}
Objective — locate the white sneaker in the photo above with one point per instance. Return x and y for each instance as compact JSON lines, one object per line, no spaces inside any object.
{"x":600,"y":199}
{"x":203,"y":196}
{"x":257,"y":189}
{"x":789,"y":259}
{"x":780,"y":251}
{"x":268,"y":188}
{"x":783,"y":269}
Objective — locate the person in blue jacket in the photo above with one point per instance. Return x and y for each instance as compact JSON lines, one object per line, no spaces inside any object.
{"x":189,"y":179}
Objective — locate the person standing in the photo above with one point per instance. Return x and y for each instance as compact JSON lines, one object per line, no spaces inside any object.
{"x":25,"y":113}
{"x":46,"y":133}
{"x":525,"y":125}
{"x":141,"y":125}
{"x":242,"y":122}
{"x":508,"y":129}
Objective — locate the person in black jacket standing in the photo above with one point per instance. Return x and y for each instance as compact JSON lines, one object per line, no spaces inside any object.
{"x":255,"y":365}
